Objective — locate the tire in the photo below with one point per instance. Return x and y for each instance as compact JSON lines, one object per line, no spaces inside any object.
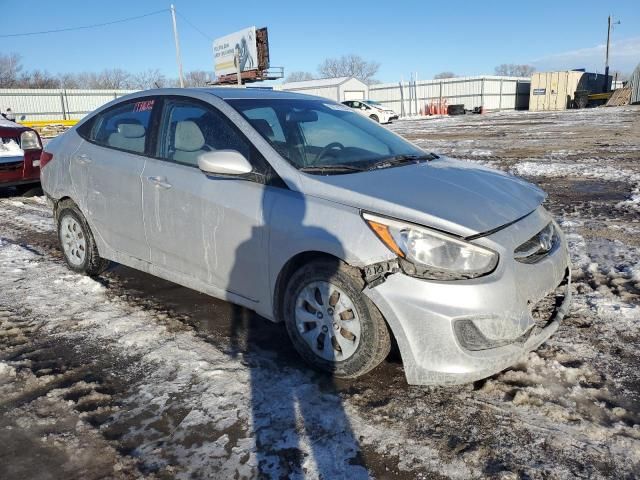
{"x":360,"y":347}
{"x":76,"y":241}
{"x":374,"y":118}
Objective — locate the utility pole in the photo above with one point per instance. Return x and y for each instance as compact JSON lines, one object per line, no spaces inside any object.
{"x":606,"y":60}
{"x":175,"y":37}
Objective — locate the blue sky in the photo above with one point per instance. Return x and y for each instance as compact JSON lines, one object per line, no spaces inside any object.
{"x":427,"y":37}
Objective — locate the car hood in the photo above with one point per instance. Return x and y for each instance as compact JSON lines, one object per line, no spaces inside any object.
{"x":450,"y":195}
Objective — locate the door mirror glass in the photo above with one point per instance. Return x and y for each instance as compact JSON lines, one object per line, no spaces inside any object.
{"x":224,"y":162}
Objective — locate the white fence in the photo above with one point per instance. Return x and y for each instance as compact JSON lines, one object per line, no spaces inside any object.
{"x":58,"y":104}
{"x":490,"y":92}
{"x":406,"y":98}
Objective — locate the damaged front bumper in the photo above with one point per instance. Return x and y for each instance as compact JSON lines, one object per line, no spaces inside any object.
{"x":452,"y":332}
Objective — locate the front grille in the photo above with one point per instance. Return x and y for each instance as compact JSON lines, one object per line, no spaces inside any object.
{"x":545,"y":310}
{"x":11,"y":156}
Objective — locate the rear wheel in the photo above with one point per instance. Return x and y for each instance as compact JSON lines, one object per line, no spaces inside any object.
{"x":77,"y":242}
{"x":332,"y":324}
{"x":374,"y":118}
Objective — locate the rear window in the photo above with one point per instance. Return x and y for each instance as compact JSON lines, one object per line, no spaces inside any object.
{"x":123,"y":126}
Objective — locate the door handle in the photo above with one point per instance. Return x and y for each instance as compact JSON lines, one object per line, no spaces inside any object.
{"x":160,"y":182}
{"x":83,"y":159}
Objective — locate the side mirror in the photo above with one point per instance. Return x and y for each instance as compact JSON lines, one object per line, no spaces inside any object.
{"x":224,"y":162}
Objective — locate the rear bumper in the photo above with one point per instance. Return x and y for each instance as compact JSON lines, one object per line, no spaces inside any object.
{"x":425,"y":316}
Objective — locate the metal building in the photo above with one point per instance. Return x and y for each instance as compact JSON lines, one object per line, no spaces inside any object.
{"x":338,"y":89}
{"x":493,"y":93}
{"x":556,"y":90}
{"x":634,"y":83}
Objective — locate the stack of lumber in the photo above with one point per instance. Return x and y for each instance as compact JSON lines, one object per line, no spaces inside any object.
{"x":622,"y":96}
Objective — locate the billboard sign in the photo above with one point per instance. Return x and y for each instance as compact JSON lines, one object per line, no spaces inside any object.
{"x":224,"y":52}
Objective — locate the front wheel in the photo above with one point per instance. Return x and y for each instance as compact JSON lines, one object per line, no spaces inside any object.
{"x":77,"y":242}
{"x":332,"y":324}
{"x":374,"y":118}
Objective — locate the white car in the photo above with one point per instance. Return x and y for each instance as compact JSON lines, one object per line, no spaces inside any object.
{"x":372,"y":109}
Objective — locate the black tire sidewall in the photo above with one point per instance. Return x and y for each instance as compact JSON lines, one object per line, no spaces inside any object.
{"x":359,"y":362}
{"x":67,"y":211}
{"x":374,"y":118}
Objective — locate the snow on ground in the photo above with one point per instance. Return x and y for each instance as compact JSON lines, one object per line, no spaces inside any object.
{"x":117,"y":366}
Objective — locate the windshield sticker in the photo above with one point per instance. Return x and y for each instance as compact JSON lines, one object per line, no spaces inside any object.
{"x":143,"y":106}
{"x":334,"y":106}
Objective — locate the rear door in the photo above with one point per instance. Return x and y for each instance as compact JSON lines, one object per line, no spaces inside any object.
{"x":111,"y":161}
{"x":202,"y":226}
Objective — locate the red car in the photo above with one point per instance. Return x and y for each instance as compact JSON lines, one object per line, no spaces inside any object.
{"x":20,"y":149}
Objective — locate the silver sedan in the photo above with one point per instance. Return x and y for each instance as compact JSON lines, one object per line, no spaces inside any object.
{"x":302,"y":210}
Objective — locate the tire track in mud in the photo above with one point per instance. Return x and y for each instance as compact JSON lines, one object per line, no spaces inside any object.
{"x":54,"y":398}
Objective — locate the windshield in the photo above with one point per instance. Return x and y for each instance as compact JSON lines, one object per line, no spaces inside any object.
{"x":316,"y":133}
{"x":373,"y":102}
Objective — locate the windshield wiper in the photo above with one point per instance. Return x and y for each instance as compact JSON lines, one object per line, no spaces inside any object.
{"x":330,"y":169}
{"x":401,"y":159}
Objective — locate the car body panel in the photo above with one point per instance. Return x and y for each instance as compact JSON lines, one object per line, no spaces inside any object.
{"x":449,"y":195}
{"x":113,"y":195}
{"x":422,"y":312}
{"x":205,"y":226}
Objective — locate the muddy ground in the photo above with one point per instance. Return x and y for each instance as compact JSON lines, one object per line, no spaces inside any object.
{"x":129,"y":376}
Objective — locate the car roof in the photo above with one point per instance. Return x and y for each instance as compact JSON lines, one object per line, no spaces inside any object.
{"x":253,"y":93}
{"x":227,"y":93}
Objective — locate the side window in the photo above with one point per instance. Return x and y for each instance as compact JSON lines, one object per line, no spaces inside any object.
{"x":190,"y":129}
{"x":124,"y":126}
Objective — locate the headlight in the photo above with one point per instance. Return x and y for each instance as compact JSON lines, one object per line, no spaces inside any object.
{"x":29,"y":141}
{"x":430,"y":254}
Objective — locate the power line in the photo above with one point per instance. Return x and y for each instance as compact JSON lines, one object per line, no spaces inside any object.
{"x":84,"y":27}
{"x":193,"y":26}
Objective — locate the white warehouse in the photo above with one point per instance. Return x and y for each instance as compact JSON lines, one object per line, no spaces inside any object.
{"x":338,"y":89}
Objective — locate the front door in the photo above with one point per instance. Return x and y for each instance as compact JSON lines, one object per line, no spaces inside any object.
{"x":203,"y":227}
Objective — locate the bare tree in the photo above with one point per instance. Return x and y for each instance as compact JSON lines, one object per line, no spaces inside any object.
{"x":196,"y":78}
{"x":85,"y":80}
{"x":349,"y":66}
{"x":38,"y":79}
{"x":114,"y":78}
{"x":299,"y":76}
{"x":10,"y":68}
{"x":442,"y":75}
{"x":152,"y":78}
{"x":620,"y":76}
{"x":515,"y":70}
{"x":69,"y":80}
